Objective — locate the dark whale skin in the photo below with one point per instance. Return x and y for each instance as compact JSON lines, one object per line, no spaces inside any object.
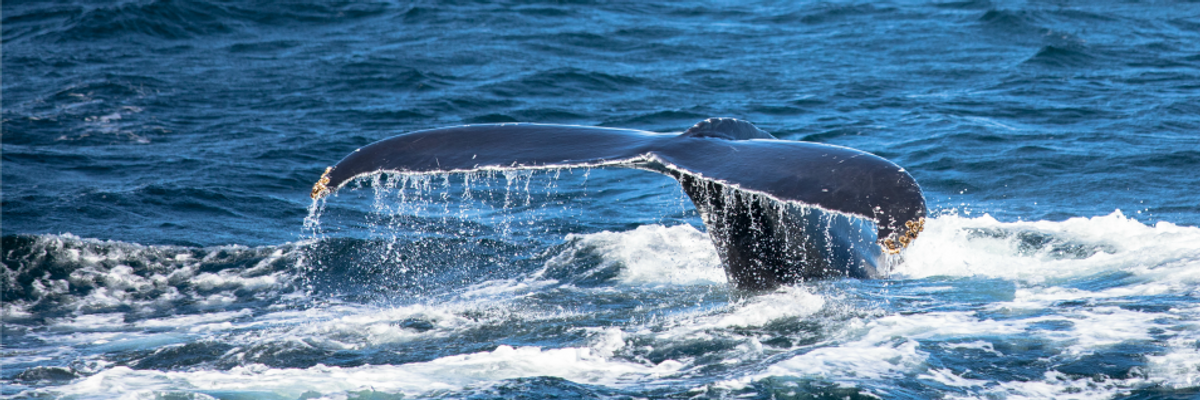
{"x":779,"y":212}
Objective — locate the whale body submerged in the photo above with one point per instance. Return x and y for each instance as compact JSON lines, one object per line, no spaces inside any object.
{"x":778,"y":212}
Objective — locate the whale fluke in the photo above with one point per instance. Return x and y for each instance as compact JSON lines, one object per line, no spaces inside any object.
{"x":778,"y":211}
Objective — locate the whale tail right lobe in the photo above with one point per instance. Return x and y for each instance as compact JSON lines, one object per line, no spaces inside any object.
{"x":764,"y":243}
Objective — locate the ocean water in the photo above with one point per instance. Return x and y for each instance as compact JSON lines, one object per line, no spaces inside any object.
{"x":159,"y":241}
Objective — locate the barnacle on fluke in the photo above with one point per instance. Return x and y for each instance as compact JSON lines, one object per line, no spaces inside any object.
{"x":319,"y":189}
{"x":914,"y":228}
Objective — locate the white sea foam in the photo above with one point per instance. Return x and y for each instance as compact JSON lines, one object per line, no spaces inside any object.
{"x":505,"y":288}
{"x":126,"y":276}
{"x":194,"y":321}
{"x":889,"y":348}
{"x":369,"y":326}
{"x":788,"y":302}
{"x":883,"y":349}
{"x":10,"y":312}
{"x":578,"y":364}
{"x":977,"y":345}
{"x":949,"y":378}
{"x":652,"y":255}
{"x":1044,"y":261}
{"x":1162,"y":259}
{"x":1045,"y":251}
{"x":1054,"y":385}
{"x":349,"y":326}
{"x":1179,"y":367}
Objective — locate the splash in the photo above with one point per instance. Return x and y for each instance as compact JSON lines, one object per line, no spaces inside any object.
{"x":1048,"y":252}
{"x":647,"y":255}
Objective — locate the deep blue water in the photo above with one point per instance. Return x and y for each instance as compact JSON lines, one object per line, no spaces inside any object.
{"x":158,"y":156}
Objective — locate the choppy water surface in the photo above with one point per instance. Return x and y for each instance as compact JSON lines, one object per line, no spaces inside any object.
{"x":158,"y":239}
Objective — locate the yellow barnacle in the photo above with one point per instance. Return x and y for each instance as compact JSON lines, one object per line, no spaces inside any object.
{"x":319,"y":189}
{"x":897,"y":242}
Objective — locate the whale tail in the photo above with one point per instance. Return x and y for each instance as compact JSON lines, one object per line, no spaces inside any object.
{"x":778,"y":211}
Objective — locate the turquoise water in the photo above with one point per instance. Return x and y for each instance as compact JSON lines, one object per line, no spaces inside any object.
{"x":158,"y":238}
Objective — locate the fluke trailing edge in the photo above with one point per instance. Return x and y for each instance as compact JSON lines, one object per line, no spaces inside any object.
{"x":778,"y":211}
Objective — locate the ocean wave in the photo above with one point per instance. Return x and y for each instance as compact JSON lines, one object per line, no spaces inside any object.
{"x":112,"y":209}
{"x":96,"y":112}
{"x":1013,"y":20}
{"x":1061,"y":57}
{"x":1039,"y":251}
{"x":53,"y":276}
{"x":65,"y":274}
{"x":826,"y":13}
{"x":236,"y":319}
{"x":437,"y":376}
{"x":564,"y":82}
{"x":648,"y":255}
{"x":176,"y":20}
{"x":159,"y":19}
